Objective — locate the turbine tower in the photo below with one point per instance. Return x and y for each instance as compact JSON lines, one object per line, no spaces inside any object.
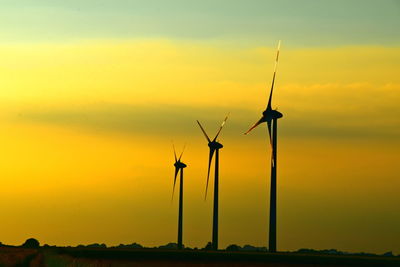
{"x":179,"y":166}
{"x":271,"y":116}
{"x":214,"y":148}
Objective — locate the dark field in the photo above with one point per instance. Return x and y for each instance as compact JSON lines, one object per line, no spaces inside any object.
{"x":19,"y":257}
{"x":151,"y":257}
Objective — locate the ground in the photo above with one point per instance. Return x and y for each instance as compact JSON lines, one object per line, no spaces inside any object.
{"x":60,"y":257}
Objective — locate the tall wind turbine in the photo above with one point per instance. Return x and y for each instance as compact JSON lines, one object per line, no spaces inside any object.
{"x":214,"y":148}
{"x":271,"y":116}
{"x":179,"y":166}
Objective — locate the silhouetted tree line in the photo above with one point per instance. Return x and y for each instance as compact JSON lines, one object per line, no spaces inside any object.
{"x":234,"y":247}
{"x":338,"y":252}
{"x":34,"y":243}
{"x":29,"y":243}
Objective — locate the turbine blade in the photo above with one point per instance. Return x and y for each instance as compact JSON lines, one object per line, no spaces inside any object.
{"x":255,"y":125}
{"x":173,"y":188}
{"x":220,"y":128}
{"x":273,"y":77}
{"x":208,"y":171}
{"x":269,"y":131}
{"x":183,"y":150}
{"x":204,"y":132}
{"x":272,"y":158}
{"x":174,"y":152}
{"x":270,"y":142}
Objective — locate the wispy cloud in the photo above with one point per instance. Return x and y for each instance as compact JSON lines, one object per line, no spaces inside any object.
{"x":176,"y":120}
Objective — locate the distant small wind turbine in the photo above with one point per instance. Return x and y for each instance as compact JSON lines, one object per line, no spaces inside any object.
{"x":271,"y":116}
{"x":214,"y":147}
{"x":179,"y":166}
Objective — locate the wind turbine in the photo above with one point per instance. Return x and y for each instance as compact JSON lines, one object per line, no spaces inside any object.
{"x":271,"y":116}
{"x":214,"y":148}
{"x":179,"y":166}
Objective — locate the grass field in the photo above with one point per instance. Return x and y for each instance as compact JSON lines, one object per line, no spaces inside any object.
{"x":59,"y":257}
{"x":149,"y":257}
{"x":10,"y":257}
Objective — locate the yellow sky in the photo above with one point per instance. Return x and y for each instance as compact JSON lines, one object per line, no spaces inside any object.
{"x":86,"y":132}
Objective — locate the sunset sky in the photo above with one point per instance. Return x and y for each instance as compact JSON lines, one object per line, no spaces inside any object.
{"x":93,"y":92}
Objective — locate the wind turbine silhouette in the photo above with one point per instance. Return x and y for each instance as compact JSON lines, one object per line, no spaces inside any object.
{"x":214,"y":148}
{"x":271,"y":116}
{"x":179,"y":166}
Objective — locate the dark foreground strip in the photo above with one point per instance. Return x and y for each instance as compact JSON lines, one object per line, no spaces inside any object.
{"x":222,"y":256}
{"x":28,"y":261}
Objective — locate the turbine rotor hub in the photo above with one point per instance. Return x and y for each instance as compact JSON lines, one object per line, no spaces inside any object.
{"x":215,"y":145}
{"x":271,"y":114}
{"x":277,"y":114}
{"x":180,"y":165}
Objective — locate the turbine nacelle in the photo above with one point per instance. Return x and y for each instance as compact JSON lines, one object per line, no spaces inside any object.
{"x":271,"y":114}
{"x":180,"y":165}
{"x":215,"y":145}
